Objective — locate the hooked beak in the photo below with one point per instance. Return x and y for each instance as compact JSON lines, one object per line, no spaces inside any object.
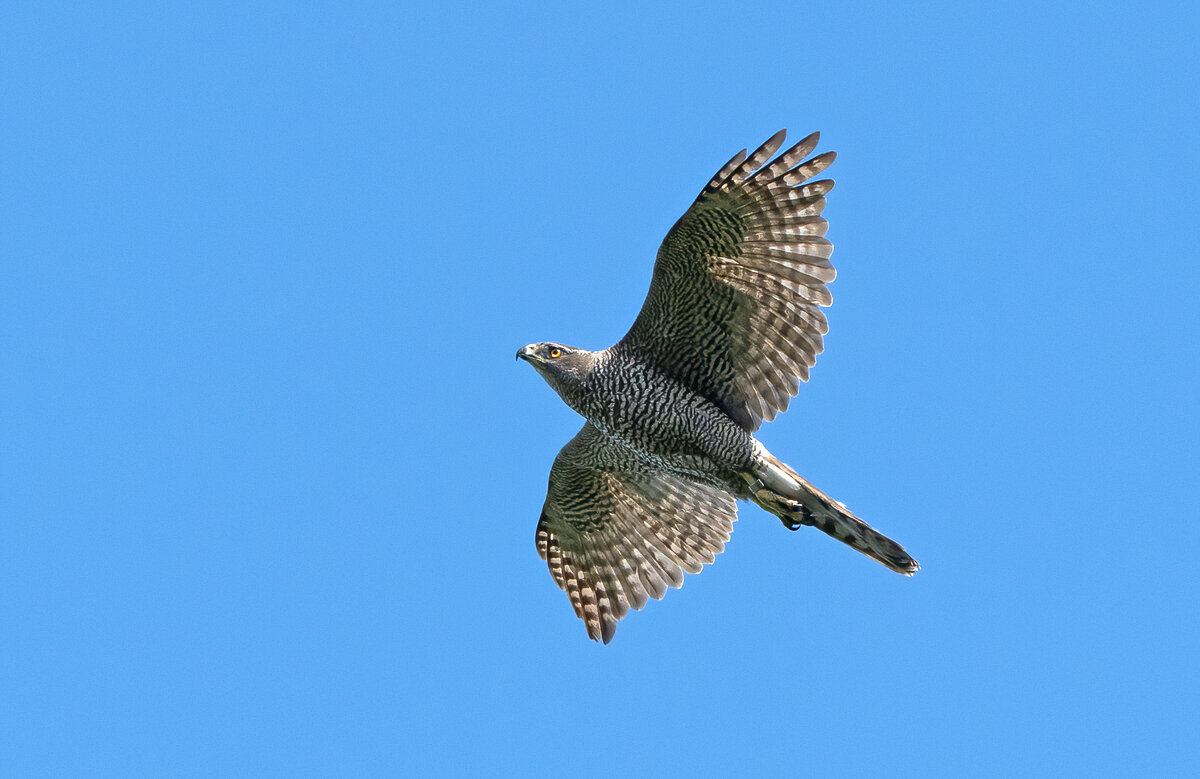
{"x":526,"y":353}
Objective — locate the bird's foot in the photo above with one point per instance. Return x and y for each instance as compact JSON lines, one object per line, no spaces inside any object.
{"x":791,"y":524}
{"x":791,"y":513}
{"x":795,"y":515}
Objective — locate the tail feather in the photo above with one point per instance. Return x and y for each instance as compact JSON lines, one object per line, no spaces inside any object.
{"x":789,"y":496}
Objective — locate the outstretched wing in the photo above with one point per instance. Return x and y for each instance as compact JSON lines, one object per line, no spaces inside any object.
{"x":734,"y":304}
{"x":614,"y":531}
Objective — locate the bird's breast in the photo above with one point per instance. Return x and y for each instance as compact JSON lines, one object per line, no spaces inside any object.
{"x":666,"y":422}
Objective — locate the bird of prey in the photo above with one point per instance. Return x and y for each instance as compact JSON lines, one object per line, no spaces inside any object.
{"x":732,"y":323}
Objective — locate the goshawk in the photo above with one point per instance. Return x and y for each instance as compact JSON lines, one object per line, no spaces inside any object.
{"x":649,"y":487}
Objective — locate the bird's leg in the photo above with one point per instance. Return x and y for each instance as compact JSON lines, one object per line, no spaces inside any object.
{"x":774,"y":487}
{"x":781,"y":506}
{"x":792,"y":513}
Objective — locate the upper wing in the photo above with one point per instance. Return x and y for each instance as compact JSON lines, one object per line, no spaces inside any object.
{"x":733,"y":308}
{"x":614,"y":531}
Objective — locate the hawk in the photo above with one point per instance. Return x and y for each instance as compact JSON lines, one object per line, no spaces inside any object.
{"x":648,"y":489}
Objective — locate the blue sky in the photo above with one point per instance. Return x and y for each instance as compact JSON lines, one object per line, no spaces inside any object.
{"x":270,"y":475}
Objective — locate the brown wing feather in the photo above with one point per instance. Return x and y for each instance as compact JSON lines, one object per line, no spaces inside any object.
{"x":734,"y":307}
{"x":615,"y":532}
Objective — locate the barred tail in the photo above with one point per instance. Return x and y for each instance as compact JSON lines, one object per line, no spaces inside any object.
{"x":787,"y":495}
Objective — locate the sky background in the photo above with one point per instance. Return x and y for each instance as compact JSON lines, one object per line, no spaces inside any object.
{"x":269,"y":474}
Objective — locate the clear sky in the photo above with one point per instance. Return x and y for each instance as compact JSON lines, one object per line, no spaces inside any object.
{"x":269,"y":474}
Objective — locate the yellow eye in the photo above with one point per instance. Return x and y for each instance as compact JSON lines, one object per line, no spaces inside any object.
{"x":555,"y":354}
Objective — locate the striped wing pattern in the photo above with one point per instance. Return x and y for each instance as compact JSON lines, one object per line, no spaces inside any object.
{"x":734,"y":307}
{"x":615,"y":532}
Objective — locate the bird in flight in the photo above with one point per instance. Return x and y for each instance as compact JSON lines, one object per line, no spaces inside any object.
{"x":648,"y":489}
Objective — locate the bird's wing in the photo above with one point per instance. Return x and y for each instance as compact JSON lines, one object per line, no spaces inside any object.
{"x":614,"y":531}
{"x":734,"y":304}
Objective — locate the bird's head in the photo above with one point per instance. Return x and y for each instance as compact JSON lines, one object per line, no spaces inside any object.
{"x":564,"y":368}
